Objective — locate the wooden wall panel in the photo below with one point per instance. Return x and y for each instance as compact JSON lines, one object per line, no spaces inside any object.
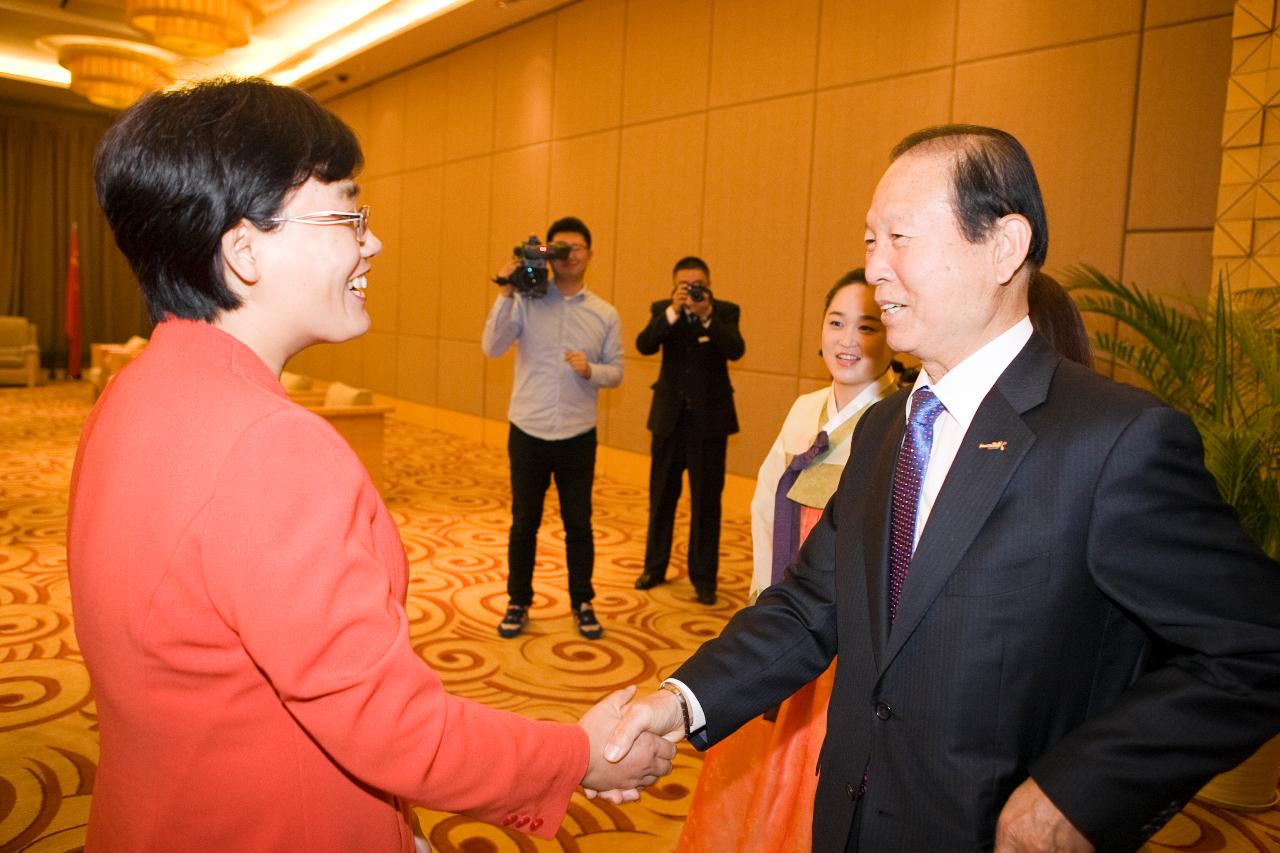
{"x":1160,"y":12}
{"x":660,"y":189}
{"x":381,"y":372}
{"x":856,"y":127}
{"x":466,"y":263}
{"x":872,"y":40}
{"x":460,"y":376}
{"x":762,"y":50}
{"x":668,"y":59}
{"x":384,"y":198}
{"x":519,"y":206}
{"x":1080,"y":147}
{"x":1179,"y":125}
{"x":628,"y":404}
{"x":470,"y":78}
{"x":425,"y":99}
{"x":762,"y":400}
{"x":417,"y":367}
{"x":756,"y":217}
{"x":998,"y":27}
{"x":584,"y":183}
{"x":384,"y":141}
{"x":1179,"y":263}
{"x":421,"y":214}
{"x":523,"y":83}
{"x":588,"y":75}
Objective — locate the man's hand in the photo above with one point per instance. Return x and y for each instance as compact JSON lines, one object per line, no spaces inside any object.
{"x":578,"y":361}
{"x":656,"y":714}
{"x":508,"y":290}
{"x":680,"y":298}
{"x":1031,"y":823}
{"x":621,"y":779}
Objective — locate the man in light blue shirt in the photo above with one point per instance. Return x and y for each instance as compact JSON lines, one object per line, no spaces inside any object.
{"x":569,"y":345}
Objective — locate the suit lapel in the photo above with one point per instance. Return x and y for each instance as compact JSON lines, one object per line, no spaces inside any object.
{"x":978,"y":477}
{"x":875,"y":533}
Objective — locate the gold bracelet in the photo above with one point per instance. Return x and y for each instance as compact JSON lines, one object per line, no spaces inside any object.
{"x":684,"y":704}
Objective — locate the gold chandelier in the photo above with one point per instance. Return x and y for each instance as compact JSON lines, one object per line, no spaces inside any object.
{"x":195,"y":27}
{"x":111,"y":73}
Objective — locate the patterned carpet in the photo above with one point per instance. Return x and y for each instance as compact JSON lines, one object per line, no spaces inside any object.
{"x":454,"y":525}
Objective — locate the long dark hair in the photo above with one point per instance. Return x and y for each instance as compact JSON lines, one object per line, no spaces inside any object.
{"x":1055,"y":316}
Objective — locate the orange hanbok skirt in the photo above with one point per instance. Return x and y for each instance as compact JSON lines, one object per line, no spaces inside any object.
{"x":756,"y":789}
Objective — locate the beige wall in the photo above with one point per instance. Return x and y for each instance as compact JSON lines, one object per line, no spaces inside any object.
{"x":752,"y":133}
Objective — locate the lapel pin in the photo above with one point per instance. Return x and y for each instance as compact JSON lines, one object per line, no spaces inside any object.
{"x":993,"y":445}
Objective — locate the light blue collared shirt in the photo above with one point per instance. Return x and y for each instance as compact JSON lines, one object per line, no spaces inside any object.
{"x":548,"y":399}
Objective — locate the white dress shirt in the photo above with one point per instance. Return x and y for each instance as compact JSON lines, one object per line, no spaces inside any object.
{"x":961,"y":391}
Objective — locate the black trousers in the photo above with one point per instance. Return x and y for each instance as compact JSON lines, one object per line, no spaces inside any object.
{"x":534,"y":461}
{"x":703,"y":458}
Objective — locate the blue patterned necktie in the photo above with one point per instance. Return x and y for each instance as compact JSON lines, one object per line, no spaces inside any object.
{"x":908,"y":475}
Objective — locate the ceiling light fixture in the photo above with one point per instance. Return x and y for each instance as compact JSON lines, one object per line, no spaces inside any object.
{"x":196,"y":27}
{"x":111,"y":73}
{"x":376,"y":28}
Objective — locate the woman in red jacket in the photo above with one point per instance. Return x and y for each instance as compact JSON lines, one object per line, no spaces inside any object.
{"x":237,"y":582}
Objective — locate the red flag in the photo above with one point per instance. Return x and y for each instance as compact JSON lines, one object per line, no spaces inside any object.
{"x":73,"y":306}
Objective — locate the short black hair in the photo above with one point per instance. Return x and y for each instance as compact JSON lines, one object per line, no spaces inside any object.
{"x":692,"y":262}
{"x":179,"y":169}
{"x":569,"y":223}
{"x":853,"y":276}
{"x":992,"y":177}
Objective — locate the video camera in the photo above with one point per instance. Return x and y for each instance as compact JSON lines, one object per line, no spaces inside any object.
{"x":530,"y":277}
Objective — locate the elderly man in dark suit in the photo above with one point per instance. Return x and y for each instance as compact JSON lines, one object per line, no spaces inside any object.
{"x":1050,"y":631}
{"x":691,"y":420}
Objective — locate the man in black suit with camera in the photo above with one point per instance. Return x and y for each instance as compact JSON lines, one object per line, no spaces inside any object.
{"x":691,"y":420}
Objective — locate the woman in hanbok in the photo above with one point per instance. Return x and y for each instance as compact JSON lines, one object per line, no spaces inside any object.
{"x":756,"y":789}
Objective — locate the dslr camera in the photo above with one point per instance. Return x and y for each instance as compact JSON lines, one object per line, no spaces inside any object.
{"x":697,"y":292}
{"x":530,"y":276}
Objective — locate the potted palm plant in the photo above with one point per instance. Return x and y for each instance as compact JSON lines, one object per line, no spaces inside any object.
{"x":1220,"y":363}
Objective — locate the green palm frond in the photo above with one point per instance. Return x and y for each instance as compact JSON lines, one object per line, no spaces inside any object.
{"x":1220,"y":363}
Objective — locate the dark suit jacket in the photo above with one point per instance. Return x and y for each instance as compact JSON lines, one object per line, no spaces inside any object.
{"x":694,"y":369}
{"x":1081,"y":607}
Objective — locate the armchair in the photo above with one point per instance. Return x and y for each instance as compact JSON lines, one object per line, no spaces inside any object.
{"x":19,"y":353}
{"x":106,"y":360}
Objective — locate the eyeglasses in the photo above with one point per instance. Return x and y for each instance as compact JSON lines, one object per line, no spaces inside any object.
{"x":360,"y":219}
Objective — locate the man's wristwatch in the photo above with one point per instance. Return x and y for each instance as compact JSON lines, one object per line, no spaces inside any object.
{"x":684,"y":704}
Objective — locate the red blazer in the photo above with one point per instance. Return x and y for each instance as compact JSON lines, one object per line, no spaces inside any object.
{"x":238,"y":588}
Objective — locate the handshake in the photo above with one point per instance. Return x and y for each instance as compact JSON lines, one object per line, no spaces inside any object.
{"x":632,"y":742}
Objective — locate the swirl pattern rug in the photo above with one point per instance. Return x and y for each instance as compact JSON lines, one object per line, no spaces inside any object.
{"x":450,"y":498}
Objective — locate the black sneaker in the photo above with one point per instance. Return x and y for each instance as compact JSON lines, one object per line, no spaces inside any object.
{"x":588,"y":624}
{"x":513,"y":623}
